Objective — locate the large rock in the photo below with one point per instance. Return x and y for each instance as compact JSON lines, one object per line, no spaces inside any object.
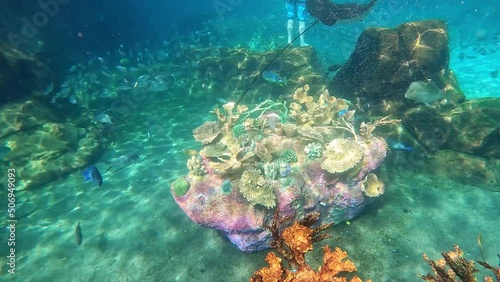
{"x":22,"y":75}
{"x":386,"y":61}
{"x":41,"y":148}
{"x":471,"y":127}
{"x":216,"y":201}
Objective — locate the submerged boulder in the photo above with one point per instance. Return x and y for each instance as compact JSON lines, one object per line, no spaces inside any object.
{"x":387,"y":60}
{"x":471,"y":127}
{"x":22,"y":75}
{"x":40,"y":148}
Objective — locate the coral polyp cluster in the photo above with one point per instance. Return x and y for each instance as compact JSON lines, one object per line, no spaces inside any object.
{"x":296,"y":156}
{"x":293,"y":244}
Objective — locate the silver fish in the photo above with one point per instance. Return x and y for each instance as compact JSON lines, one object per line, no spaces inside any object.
{"x":121,"y":68}
{"x":424,"y":91}
{"x":124,"y":87}
{"x":103,"y":118}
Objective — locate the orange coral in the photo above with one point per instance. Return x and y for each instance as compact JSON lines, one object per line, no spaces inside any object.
{"x":292,"y":245}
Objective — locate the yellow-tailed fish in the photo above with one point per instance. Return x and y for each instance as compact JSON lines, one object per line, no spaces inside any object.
{"x":190,"y":152}
{"x":480,"y":244}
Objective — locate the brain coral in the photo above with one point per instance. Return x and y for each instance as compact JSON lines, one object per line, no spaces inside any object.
{"x":256,"y":189}
{"x":207,"y":132}
{"x":180,"y":186}
{"x":341,"y":155}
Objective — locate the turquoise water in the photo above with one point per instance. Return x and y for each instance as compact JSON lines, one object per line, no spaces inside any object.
{"x":134,"y":231}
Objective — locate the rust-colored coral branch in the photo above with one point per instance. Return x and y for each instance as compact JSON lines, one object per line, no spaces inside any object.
{"x":453,"y":265}
{"x":292,"y":244}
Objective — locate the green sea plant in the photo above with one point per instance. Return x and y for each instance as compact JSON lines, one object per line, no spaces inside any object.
{"x":314,"y":150}
{"x":288,"y":156}
{"x":180,"y":186}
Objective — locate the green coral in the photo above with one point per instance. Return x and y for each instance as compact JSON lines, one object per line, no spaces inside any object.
{"x":314,"y":151}
{"x":226,"y":187}
{"x":271,"y":169}
{"x":256,"y":189}
{"x":239,"y":130}
{"x":288,"y":156}
{"x":180,"y":186}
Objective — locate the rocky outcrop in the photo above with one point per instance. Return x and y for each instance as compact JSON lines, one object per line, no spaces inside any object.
{"x":40,"y":148}
{"x":472,"y":127}
{"x":22,"y":75}
{"x":386,"y":61}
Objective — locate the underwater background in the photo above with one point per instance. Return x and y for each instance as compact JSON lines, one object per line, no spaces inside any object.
{"x":121,"y":85}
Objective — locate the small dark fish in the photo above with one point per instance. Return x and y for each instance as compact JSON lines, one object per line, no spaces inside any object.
{"x":123,"y":161}
{"x":92,"y":173}
{"x":396,"y":145}
{"x":461,"y":56}
{"x":78,"y":235}
{"x":494,"y":74}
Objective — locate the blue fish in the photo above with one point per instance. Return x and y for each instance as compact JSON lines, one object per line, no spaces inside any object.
{"x":343,"y":112}
{"x":273,"y":77}
{"x":92,"y":173}
{"x":396,"y":145}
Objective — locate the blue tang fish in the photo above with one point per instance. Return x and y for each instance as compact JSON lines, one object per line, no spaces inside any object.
{"x":396,"y":145}
{"x":273,"y":77}
{"x":92,"y":173}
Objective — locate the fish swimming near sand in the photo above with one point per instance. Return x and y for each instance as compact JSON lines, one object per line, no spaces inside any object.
{"x":78,"y":235}
{"x":273,"y":77}
{"x":424,"y":91}
{"x":396,"y":145}
{"x":123,"y":161}
{"x":329,"y":13}
{"x":91,"y":173}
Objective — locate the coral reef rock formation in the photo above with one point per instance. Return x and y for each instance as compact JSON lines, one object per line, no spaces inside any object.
{"x":386,"y":61}
{"x":237,"y":179}
{"x":42,"y":149}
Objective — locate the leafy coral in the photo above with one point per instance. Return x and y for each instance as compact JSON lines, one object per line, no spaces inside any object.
{"x":214,"y":150}
{"x":207,"y":132}
{"x":342,"y":155}
{"x":256,"y":189}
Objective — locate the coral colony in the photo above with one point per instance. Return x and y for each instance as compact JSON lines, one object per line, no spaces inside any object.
{"x":301,"y":158}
